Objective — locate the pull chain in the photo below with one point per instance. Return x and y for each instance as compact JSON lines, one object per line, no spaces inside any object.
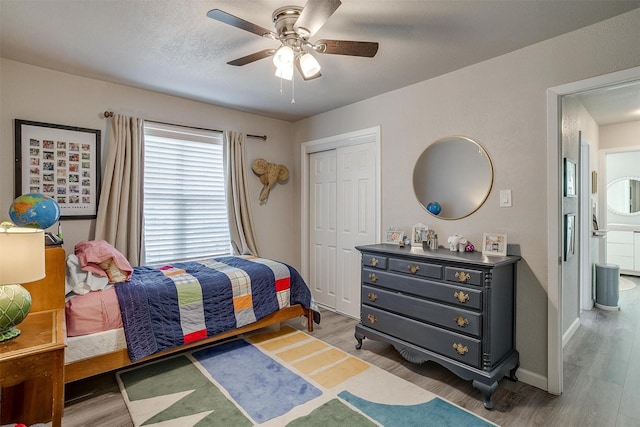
{"x":293,"y":89}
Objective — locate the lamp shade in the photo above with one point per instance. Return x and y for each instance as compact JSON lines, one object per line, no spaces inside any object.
{"x":21,"y":255}
{"x":285,"y":71}
{"x":309,"y":65}
{"x":283,"y":56}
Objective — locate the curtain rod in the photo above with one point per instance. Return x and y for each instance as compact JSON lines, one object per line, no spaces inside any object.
{"x":108,"y":114}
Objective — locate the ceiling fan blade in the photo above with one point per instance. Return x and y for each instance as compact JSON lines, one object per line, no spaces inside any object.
{"x":346,"y":47}
{"x":314,"y":15}
{"x":227,"y":18}
{"x":252,"y":58}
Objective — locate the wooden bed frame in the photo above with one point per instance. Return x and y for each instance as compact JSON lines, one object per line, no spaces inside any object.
{"x":48,"y":294}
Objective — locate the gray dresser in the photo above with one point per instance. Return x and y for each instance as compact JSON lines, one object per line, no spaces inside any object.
{"x":456,"y":309}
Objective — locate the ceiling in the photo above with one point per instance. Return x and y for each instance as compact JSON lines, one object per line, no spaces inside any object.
{"x":172,"y":47}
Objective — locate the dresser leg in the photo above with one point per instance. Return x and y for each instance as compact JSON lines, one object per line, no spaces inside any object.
{"x":359,"y":338}
{"x":512,"y":373}
{"x":487,"y":391}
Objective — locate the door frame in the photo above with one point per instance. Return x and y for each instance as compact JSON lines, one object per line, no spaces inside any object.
{"x":554,"y":213}
{"x":329,"y":143}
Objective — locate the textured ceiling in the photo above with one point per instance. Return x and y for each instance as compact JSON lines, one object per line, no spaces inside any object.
{"x":173,"y":47}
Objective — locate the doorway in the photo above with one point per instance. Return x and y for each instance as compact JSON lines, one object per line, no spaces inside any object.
{"x":555,"y":233}
{"x":340,"y":210}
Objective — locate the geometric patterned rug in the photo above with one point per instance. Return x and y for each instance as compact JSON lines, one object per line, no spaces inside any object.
{"x":279,"y":378}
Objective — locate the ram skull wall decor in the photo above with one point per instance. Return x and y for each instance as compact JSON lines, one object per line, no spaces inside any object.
{"x":269,"y":174}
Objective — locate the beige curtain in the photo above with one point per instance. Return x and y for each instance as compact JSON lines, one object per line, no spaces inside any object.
{"x":119,"y":219}
{"x":237,"y":191}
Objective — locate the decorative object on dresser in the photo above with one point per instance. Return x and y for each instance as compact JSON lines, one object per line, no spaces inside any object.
{"x":394,"y":235}
{"x":455,"y":309}
{"x":419,"y":234}
{"x":269,"y":174}
{"x":21,"y":260}
{"x":494,"y":244}
{"x":457,"y":243}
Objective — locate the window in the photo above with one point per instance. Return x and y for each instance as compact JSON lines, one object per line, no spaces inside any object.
{"x":184,"y":210}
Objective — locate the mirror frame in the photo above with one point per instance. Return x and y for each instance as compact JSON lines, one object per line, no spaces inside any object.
{"x":614,"y":181}
{"x":489,"y":188}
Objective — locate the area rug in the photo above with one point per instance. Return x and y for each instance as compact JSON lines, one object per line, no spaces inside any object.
{"x":625,"y":284}
{"x":279,"y":378}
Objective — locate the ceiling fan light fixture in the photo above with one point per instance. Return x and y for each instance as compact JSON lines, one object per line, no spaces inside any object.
{"x":285,"y":71}
{"x":283,"y":56}
{"x":309,"y":65}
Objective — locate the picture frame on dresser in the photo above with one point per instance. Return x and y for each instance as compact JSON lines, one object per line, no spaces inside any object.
{"x":494,"y":244}
{"x":59,"y":161}
{"x":418,"y":234}
{"x":394,"y":236}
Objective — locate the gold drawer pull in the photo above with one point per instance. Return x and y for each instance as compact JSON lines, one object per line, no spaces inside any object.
{"x":462,"y":276}
{"x":373,"y":277}
{"x":461,"y":321}
{"x":413,"y":268}
{"x":461,"y":349}
{"x":372,"y":296}
{"x":372,"y":318}
{"x":374,"y":261}
{"x":461,"y":296}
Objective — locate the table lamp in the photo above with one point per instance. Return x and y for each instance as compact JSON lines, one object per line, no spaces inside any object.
{"x":21,"y":261}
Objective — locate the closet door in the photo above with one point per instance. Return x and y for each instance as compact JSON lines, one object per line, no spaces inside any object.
{"x":322,"y":227}
{"x":356,"y":214}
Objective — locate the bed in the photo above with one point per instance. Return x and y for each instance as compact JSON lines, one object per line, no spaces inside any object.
{"x":91,"y":354}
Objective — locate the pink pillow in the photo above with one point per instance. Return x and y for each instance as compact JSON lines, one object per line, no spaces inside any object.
{"x":93,"y":312}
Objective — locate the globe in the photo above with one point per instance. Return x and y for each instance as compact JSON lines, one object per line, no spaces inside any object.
{"x":34,"y":210}
{"x":434,"y":208}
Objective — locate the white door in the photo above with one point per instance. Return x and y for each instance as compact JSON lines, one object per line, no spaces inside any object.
{"x":356,"y":203}
{"x":322,"y":227}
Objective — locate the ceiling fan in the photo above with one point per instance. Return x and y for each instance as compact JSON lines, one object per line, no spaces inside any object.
{"x":294,"y":26}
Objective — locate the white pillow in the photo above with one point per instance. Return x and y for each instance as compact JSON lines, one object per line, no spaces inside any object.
{"x":82,"y":282}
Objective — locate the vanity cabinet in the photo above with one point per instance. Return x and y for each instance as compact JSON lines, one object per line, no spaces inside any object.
{"x":623,"y":249}
{"x":455,"y":309}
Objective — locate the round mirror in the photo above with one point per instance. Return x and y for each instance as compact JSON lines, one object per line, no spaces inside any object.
{"x":453,"y":177}
{"x":623,"y":196}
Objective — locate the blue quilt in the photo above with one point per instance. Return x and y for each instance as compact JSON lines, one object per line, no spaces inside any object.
{"x":168,"y":306}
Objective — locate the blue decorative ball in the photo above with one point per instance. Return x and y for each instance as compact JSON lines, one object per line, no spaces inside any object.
{"x":34,"y":210}
{"x":434,"y":208}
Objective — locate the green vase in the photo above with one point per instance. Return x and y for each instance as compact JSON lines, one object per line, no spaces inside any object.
{"x":15,"y":302}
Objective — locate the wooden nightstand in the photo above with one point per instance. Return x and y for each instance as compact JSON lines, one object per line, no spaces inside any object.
{"x":32,"y":371}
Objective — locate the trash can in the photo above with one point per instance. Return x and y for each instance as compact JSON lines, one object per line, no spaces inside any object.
{"x":607,"y":282}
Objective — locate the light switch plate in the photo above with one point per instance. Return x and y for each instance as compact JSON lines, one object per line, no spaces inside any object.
{"x":505,"y":198}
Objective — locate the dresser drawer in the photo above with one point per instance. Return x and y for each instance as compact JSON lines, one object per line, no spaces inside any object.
{"x":457,"y":295}
{"x":421,"y":269}
{"x":374,"y":261}
{"x":450,"y":344}
{"x":456,"y":319}
{"x":463,"y":275}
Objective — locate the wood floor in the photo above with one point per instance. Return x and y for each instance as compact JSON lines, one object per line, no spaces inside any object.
{"x":601,"y":377}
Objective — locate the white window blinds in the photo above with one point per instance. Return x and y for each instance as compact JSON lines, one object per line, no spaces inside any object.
{"x":185,"y":213}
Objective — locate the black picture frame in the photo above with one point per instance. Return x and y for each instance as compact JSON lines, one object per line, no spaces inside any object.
{"x":59,"y":161}
{"x":570,"y":178}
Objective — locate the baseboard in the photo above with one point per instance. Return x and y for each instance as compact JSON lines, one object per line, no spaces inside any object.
{"x":532,"y":379}
{"x":566,"y":337}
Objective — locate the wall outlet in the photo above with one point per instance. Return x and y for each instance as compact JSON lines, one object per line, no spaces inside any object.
{"x":505,"y":198}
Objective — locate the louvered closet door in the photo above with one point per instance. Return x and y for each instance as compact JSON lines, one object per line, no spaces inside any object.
{"x":322,"y":227}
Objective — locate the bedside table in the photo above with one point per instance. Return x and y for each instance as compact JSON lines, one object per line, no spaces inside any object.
{"x":32,"y":371}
